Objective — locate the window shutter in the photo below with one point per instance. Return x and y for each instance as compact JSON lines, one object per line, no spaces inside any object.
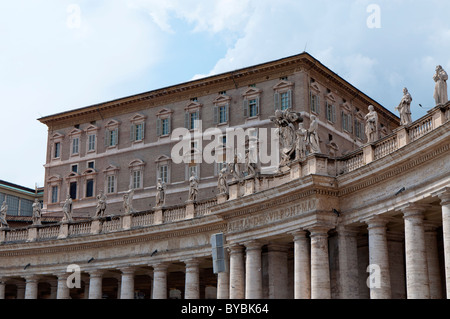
{"x":310,"y":101}
{"x":117,"y":136}
{"x":186,"y":120}
{"x":227,"y":107}
{"x":342,"y":120}
{"x":318,"y":104}
{"x":133,"y":132}
{"x":158,"y":127}
{"x":143,"y":131}
{"x":107,"y":137}
{"x":257,"y":105}
{"x":245,"y":107}
{"x":216,"y":114}
{"x":333,"y":111}
{"x":276,"y":100}
{"x":169,"y":125}
{"x":290,"y":99}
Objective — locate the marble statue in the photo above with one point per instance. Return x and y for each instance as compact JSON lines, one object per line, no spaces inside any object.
{"x":249,"y":164}
{"x":284,"y":121}
{"x":404,"y":108}
{"x":101,"y":205}
{"x":301,"y":140}
{"x":36,"y":212}
{"x":371,"y":125}
{"x":440,"y":90}
{"x":67,"y":209}
{"x":160,"y":197}
{"x":222,"y":184}
{"x":128,"y":201}
{"x":313,"y":136}
{"x":235,"y":167}
{"x":3,"y":211}
{"x":193,"y":187}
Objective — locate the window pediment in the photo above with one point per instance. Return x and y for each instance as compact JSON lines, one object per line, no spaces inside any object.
{"x":347,"y":107}
{"x":360,"y":115}
{"x":57,"y":136}
{"x":136,"y":163}
{"x":73,"y":175}
{"x":75,"y":132}
{"x":164,"y":112}
{"x":90,"y":171}
{"x":315,"y":87}
{"x":222,"y":99}
{"x":112,"y":123}
{"x":330,"y":97}
{"x":138,"y":118}
{"x":55,"y":179}
{"x":283,"y":85}
{"x":163,"y":158}
{"x":91,"y":128}
{"x":192,"y":105}
{"x":111,"y":168}
{"x":250,"y":92}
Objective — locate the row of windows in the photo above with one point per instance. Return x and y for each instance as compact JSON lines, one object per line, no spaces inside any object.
{"x":251,"y":109}
{"x":17,"y":206}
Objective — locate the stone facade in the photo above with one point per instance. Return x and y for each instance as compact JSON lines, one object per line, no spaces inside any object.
{"x":370,"y":221}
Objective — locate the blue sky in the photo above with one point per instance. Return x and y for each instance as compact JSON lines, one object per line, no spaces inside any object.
{"x":54,"y":57}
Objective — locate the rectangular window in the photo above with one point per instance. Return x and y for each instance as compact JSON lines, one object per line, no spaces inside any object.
{"x":74,"y":168}
{"x":110,"y":184}
{"x":314,"y":103}
{"x":91,"y":142}
{"x":73,"y":190}
{"x":359,"y":129}
{"x":26,"y":207}
{"x":164,"y":173}
{"x":253,"y":108}
{"x":112,"y":137}
{"x":223,"y":114}
{"x":285,"y":101}
{"x":89,"y":188}
{"x":193,"y":120}
{"x":54,"y":194}
{"x":331,"y":113}
{"x":75,"y":145}
{"x":91,"y":164}
{"x":13,"y":205}
{"x":57,"y":150}
{"x":136,"y":179}
{"x":165,"y":128}
{"x":137,"y":132}
{"x":346,"y":122}
{"x":192,"y":169}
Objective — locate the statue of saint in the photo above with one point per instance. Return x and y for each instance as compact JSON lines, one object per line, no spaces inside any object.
{"x":36,"y":212}
{"x":302,"y":136}
{"x":101,"y":205}
{"x":250,"y":166}
{"x":284,"y":121}
{"x":67,"y":210}
{"x":222,"y":184}
{"x":3,"y":211}
{"x":313,"y":136}
{"x":160,"y":193}
{"x":404,"y":108}
{"x":371,"y":125}
{"x":193,"y":187}
{"x":128,"y":201}
{"x":440,"y":90}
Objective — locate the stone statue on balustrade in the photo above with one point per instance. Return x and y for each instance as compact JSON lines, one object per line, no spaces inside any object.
{"x":3,"y":212}
{"x":235,"y":167}
{"x":67,"y":209}
{"x":222,"y":184}
{"x":371,"y":125}
{"x":301,"y":142}
{"x":404,"y":108}
{"x":36,"y":212}
{"x":284,"y":121}
{"x":160,"y":197}
{"x":440,"y":90}
{"x":101,"y":205}
{"x":128,"y":201}
{"x":313,"y":136}
{"x":193,"y":188}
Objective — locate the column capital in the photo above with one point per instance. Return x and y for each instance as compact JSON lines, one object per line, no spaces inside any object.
{"x":191,"y":262}
{"x":96,"y":273}
{"x":235,"y":248}
{"x":128,"y":270}
{"x":443,"y":194}
{"x":31,"y":278}
{"x":253,"y":245}
{"x":319,"y":231}
{"x":413,"y":209}
{"x":277,"y":247}
{"x":298,"y":234}
{"x":162,"y":266}
{"x":377,"y":221}
{"x":345,"y":230}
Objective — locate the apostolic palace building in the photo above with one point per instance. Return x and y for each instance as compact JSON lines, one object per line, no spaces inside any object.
{"x":354,"y":202}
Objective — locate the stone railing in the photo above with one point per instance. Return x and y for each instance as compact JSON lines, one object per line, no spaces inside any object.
{"x":107,"y":224}
{"x":353,"y":161}
{"x":385,"y":146}
{"x":420,"y":128}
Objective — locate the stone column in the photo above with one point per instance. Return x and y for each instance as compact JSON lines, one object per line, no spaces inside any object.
{"x":348,"y":262}
{"x":31,"y":287}
{"x":86,"y":289}
{"x":277,"y":269}
{"x":160,"y":281}
{"x":223,"y":280}
{"x":444,"y":196}
{"x":95,"y":284}
{"x":20,"y":290}
{"x":253,"y":274}
{"x":434,"y":271}
{"x":54,"y":289}
{"x":192,"y":280}
{"x":302,"y":266}
{"x":320,"y":264}
{"x":127,"y":283}
{"x":2,"y":288}
{"x":417,"y":284}
{"x":379,"y":259}
{"x":63,"y":291}
{"x":237,"y":274}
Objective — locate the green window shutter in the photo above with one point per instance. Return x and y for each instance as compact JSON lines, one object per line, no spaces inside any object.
{"x":169,"y":125}
{"x":216,"y":114}
{"x":245,"y":107}
{"x":133,"y":132}
{"x":257,"y":106}
{"x":276,"y":100}
{"x":107,"y":138}
{"x":158,"y":127}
